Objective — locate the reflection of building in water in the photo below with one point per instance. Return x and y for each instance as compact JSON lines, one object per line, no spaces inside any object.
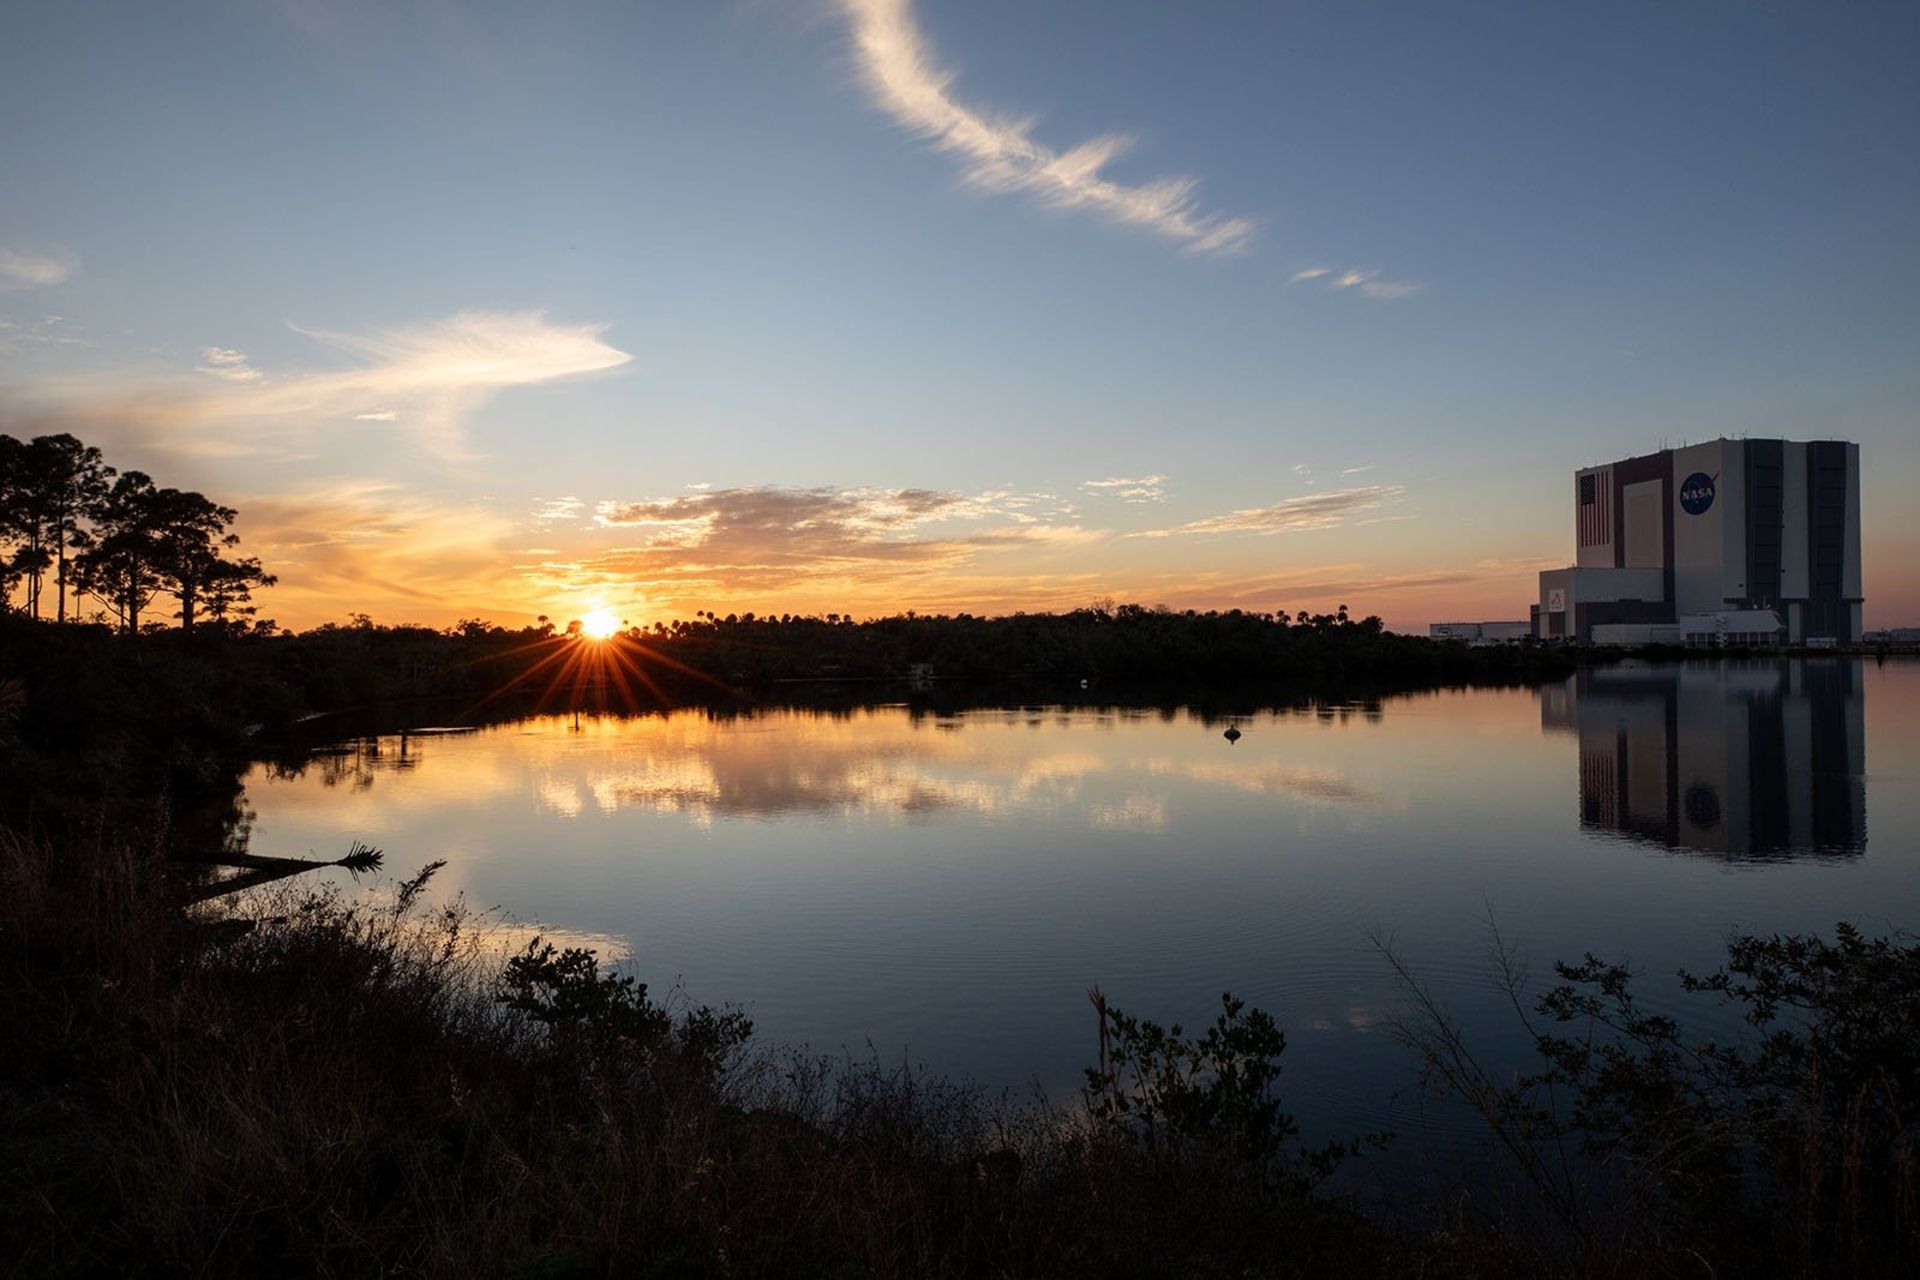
{"x":1760,"y":759}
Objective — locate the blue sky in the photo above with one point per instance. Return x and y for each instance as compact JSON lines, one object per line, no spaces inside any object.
{"x":398,"y":280}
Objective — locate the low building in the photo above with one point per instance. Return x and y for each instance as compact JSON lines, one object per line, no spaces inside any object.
{"x":1748,"y":542}
{"x":1481,"y":633}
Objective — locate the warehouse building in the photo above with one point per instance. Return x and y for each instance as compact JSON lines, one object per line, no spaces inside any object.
{"x":1749,"y":542}
{"x":1479,"y":635}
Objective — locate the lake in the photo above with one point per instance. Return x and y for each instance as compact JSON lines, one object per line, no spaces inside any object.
{"x":945,"y":886}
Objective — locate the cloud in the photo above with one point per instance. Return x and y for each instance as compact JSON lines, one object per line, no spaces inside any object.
{"x":1000,"y":152}
{"x":1389,"y":289}
{"x":374,"y":546}
{"x":20,"y":270}
{"x":1366,"y":281}
{"x":1354,"y":471}
{"x":1151,"y":488}
{"x":1357,"y":580}
{"x":559,"y":508}
{"x":1310,"y":511}
{"x":229,"y":365}
{"x":47,"y":331}
{"x":433,"y":376}
{"x":765,"y":539}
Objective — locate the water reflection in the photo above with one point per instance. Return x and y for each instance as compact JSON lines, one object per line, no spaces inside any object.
{"x":1758,"y":760}
{"x":946,"y":879}
{"x":875,"y":764}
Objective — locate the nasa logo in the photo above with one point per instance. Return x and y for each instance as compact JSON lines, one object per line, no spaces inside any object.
{"x":1696,"y":493}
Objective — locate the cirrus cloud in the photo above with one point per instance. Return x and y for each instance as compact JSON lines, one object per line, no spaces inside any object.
{"x":1152,"y":488}
{"x":1001,"y":153}
{"x":1291,"y":515}
{"x":431,"y":376}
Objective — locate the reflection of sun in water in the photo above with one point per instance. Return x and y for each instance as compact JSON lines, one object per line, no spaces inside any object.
{"x":601,"y":624}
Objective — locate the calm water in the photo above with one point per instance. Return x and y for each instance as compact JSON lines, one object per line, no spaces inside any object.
{"x":948,"y":886}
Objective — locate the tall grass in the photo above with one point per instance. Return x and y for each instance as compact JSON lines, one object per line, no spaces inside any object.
{"x":357,"y":1086}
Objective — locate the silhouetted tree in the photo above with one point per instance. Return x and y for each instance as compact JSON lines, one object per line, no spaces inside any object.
{"x":51,"y":484}
{"x":68,"y":479}
{"x":147,"y":540}
{"x":121,"y":567}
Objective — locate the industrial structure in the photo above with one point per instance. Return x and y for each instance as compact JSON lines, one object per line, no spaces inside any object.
{"x":1749,"y":542}
{"x":1480,"y":634}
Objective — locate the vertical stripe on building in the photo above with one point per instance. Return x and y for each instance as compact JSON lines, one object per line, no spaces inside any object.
{"x":1596,"y":508}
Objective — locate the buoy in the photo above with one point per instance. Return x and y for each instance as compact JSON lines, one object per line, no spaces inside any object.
{"x":1232,"y":734}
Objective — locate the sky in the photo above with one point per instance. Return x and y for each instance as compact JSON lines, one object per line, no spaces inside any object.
{"x":505,"y":309}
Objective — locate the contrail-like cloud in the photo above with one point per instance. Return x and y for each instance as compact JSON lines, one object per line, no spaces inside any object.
{"x":1000,"y":152}
{"x":1292,"y":515}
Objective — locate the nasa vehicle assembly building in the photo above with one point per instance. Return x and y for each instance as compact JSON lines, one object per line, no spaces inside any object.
{"x":1729,"y":542}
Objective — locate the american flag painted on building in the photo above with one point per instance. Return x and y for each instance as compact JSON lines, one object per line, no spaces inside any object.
{"x":1599,"y":791}
{"x":1596,"y":507}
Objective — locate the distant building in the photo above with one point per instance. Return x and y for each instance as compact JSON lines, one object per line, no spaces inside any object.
{"x":1894,"y":635}
{"x":1728,"y":542}
{"x":1481,"y":633}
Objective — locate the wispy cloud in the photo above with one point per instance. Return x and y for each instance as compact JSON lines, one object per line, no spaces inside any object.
{"x":1151,"y":488}
{"x":1293,"y":515}
{"x":1389,"y":289}
{"x":1354,"y":471}
{"x":228,"y":365}
{"x":565,"y":508}
{"x":1001,"y":153}
{"x":1365,"y":280}
{"x":47,"y":331}
{"x":432,"y":376}
{"x":374,"y":546}
{"x":23,"y":270}
{"x":1370,"y":285}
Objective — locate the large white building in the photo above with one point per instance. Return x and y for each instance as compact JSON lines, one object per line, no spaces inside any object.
{"x":1728,"y":542}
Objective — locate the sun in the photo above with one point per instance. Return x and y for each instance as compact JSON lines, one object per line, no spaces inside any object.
{"x":601,"y":624}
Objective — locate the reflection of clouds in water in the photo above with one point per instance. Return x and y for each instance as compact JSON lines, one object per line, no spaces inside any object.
{"x":730,"y":778}
{"x":665,"y":786}
{"x":877,"y":764}
{"x":560,"y":796}
{"x":1139,"y":812}
{"x":1321,"y":785}
{"x":1357,"y":1018}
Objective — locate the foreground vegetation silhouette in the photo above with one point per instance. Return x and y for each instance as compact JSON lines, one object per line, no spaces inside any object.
{"x":325,"y":1084}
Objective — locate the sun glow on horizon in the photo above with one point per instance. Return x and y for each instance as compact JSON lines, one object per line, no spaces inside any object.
{"x":600,"y":624}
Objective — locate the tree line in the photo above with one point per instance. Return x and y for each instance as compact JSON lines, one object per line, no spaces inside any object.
{"x":78,"y":530}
